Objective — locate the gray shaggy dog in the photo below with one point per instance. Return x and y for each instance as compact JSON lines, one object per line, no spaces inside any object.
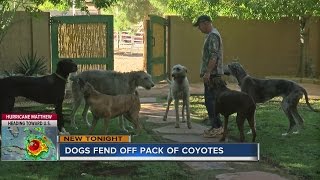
{"x":110,"y":83}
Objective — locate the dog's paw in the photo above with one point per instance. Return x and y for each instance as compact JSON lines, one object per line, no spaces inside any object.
{"x":64,"y":133}
{"x":284,"y":134}
{"x":249,"y":132}
{"x":295,"y":132}
{"x":183,"y":120}
{"x":124,"y":131}
{"x":74,"y":127}
{"x":189,"y":125}
{"x":129,"y":128}
{"x":164,"y":119}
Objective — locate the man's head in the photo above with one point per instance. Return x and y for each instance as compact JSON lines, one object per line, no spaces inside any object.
{"x":204,"y":24}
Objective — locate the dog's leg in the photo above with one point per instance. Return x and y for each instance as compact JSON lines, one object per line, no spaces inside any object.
{"x":297,"y":116}
{"x":126,"y":124}
{"x":11,"y":103}
{"x":182,"y":113}
{"x":286,"y":108}
{"x":121,"y":124}
{"x":169,"y":100}
{"x":240,"y":123}
{"x":176,"y":106}
{"x":252,"y":124}
{"x":85,"y":114}
{"x":134,"y":118}
{"x":294,"y":111}
{"x":76,"y":104}
{"x":94,"y":123}
{"x":58,"y":111}
{"x":106,"y":125}
{"x":188,"y":113}
{"x":225,"y":128}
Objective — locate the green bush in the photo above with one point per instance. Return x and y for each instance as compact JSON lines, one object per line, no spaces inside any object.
{"x":31,"y":65}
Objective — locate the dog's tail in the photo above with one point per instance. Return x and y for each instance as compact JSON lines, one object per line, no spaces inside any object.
{"x":307,"y":100}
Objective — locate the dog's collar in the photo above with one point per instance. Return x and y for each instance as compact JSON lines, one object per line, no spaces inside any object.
{"x":59,"y":76}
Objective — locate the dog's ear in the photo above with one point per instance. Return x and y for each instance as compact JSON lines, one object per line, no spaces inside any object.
{"x":226,"y":70}
{"x":186,"y":69}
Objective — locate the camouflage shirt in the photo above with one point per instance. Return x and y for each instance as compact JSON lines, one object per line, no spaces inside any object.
{"x":212,"y":48}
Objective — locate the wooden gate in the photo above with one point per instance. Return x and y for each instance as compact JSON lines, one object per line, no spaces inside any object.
{"x":156,"y":47}
{"x":88,"y":40}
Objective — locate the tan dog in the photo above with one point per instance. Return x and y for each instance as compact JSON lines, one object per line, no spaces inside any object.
{"x":179,"y":89}
{"x":108,"y":107}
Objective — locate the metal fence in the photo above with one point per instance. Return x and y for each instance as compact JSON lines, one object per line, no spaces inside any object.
{"x":134,"y":43}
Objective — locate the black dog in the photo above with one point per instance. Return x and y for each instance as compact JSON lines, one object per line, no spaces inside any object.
{"x":48,"y":89}
{"x":229,"y":102}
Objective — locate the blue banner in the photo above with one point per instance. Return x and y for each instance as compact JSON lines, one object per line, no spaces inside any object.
{"x":138,"y":151}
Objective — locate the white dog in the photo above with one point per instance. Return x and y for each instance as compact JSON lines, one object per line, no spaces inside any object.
{"x":179,"y":89}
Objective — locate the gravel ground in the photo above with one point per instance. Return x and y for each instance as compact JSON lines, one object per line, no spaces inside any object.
{"x":124,"y":61}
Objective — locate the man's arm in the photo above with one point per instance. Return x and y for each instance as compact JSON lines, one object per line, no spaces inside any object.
{"x":214,"y":46}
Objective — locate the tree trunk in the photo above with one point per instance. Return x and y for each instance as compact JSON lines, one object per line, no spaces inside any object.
{"x":304,"y":43}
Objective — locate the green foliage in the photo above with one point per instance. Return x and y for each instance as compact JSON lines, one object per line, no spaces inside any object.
{"x":246,"y":9}
{"x":8,"y":73}
{"x":129,"y":13}
{"x":31,"y":65}
{"x":7,"y":11}
{"x":9,"y":7}
{"x":47,"y":5}
{"x":191,"y":9}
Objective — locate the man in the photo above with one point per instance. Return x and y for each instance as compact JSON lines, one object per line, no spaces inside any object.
{"x":211,"y":66}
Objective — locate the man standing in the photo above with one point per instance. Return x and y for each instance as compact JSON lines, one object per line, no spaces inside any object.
{"x":211,"y":66}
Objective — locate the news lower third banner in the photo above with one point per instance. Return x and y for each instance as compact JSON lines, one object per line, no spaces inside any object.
{"x":158,"y":152}
{"x":34,"y":137}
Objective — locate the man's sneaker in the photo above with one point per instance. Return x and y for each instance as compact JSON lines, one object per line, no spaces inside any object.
{"x":219,"y":130}
{"x":213,"y":132}
{"x":209,"y":131}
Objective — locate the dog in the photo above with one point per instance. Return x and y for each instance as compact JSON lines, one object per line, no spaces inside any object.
{"x":228,"y":102}
{"x":110,"y":83}
{"x":179,"y":89}
{"x":108,"y":107}
{"x":262,"y":90}
{"x":48,"y":89}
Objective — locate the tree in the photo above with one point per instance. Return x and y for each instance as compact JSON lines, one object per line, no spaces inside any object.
{"x":7,"y":11}
{"x":128,"y":13}
{"x":273,"y":10}
{"x":9,"y":7}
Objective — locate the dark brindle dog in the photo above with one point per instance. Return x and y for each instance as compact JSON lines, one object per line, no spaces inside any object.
{"x":262,"y":90}
{"x":229,"y":102}
{"x":48,"y":89}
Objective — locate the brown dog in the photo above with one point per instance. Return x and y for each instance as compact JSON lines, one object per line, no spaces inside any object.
{"x":108,"y":107}
{"x":229,"y":102}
